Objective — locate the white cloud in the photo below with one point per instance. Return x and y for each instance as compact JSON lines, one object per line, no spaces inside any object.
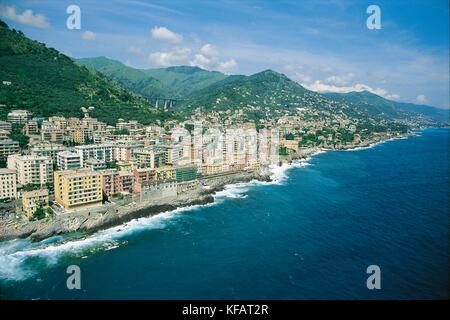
{"x":323,"y":87}
{"x":393,"y":96}
{"x":340,"y":80}
{"x":134,"y":50}
{"x":421,"y":99}
{"x":166,"y":35}
{"x":206,"y":58}
{"x":88,"y":36}
{"x":27,"y":17}
{"x":228,"y":66}
{"x":176,"y":56}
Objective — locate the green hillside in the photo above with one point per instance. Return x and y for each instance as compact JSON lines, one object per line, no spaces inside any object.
{"x":266,"y":89}
{"x":185,"y":80}
{"x":372,"y":103}
{"x":135,"y":80}
{"x":172,"y":82}
{"x":47,"y":83}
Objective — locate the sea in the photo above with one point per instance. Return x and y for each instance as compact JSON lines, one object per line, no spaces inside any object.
{"x":310,"y":234}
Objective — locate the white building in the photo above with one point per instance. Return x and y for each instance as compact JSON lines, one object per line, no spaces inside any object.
{"x":68,"y":160}
{"x":8,"y":184}
{"x":19,"y":116}
{"x":32,"y":169}
{"x":104,"y":152}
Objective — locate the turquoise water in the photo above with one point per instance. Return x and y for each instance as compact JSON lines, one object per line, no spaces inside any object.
{"x":310,"y":235}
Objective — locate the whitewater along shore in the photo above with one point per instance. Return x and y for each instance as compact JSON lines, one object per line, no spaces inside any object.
{"x":90,"y":220}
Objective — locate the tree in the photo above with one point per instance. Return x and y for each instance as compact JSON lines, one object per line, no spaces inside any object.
{"x":30,"y":187}
{"x":38,"y":214}
{"x":111,"y":165}
{"x":289,"y":136}
{"x":50,"y":212}
{"x":17,"y":135}
{"x":283,"y":151}
{"x":118,"y":196}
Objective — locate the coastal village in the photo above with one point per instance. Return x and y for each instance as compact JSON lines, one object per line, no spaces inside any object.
{"x":71,"y":165}
{"x":69,"y":174}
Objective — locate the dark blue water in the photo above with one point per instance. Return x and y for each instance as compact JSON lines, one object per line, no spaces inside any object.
{"x":310,"y":237}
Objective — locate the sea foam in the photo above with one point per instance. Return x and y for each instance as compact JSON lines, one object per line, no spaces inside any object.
{"x":15,"y":255}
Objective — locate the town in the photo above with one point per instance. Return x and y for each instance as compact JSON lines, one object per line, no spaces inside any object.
{"x":76,"y":165}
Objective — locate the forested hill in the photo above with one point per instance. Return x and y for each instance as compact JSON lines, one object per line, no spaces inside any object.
{"x":47,"y":82}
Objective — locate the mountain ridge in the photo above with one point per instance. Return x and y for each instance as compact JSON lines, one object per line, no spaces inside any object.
{"x":47,"y":82}
{"x":176,"y":82}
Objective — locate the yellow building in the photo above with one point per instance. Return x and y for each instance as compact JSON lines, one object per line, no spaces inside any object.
{"x":145,"y":158}
{"x":32,"y":200}
{"x":290,"y":144}
{"x":212,"y":168}
{"x":75,"y":189}
{"x":166,"y":173}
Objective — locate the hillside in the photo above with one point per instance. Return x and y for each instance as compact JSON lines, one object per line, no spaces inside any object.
{"x":266,"y":89}
{"x":370,"y":102}
{"x":46,"y":82}
{"x":269,"y":94}
{"x":172,"y":82}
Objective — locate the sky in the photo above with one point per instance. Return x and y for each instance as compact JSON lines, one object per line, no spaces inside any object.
{"x":325,"y":45}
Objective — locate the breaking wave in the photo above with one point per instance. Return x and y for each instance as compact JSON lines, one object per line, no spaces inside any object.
{"x":20,"y":259}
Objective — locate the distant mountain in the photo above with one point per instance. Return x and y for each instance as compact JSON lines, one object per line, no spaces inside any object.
{"x":370,"y":102}
{"x":46,"y":82}
{"x":269,"y":94}
{"x":172,"y":82}
{"x":264,"y":89}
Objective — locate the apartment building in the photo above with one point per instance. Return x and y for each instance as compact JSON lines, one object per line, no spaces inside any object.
{"x":95,"y":165}
{"x":31,"y":127}
{"x":68,"y":160}
{"x":104,"y":152}
{"x":33,"y":200}
{"x":7,"y":148}
{"x":108,"y":186}
{"x":4,"y":135}
{"x":75,"y":189}
{"x":5,"y":125}
{"x":145,"y":158}
{"x":36,"y":170}
{"x":124,"y":150}
{"x":165,"y":173}
{"x":19,"y":116}
{"x":47,"y":150}
{"x":8,"y":180}
{"x":123,"y":182}
{"x":53,"y":135}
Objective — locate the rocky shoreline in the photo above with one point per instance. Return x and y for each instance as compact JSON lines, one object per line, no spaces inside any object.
{"x":107,"y":216}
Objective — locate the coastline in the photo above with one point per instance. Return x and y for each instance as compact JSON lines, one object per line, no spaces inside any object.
{"x":89,"y":221}
{"x":114,"y":216}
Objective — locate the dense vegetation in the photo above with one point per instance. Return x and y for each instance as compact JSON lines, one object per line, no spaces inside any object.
{"x":173,"y":82}
{"x":368,"y":102}
{"x":47,"y":83}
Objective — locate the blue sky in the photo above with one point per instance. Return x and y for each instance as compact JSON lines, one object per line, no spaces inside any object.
{"x":324,"y":44}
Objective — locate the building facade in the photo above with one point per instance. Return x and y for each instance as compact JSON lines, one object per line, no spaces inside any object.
{"x":68,"y":160}
{"x":35,"y":170}
{"x":75,"y":189}
{"x":8,"y":189}
{"x":33,"y":200}
{"x":7,"y":148}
